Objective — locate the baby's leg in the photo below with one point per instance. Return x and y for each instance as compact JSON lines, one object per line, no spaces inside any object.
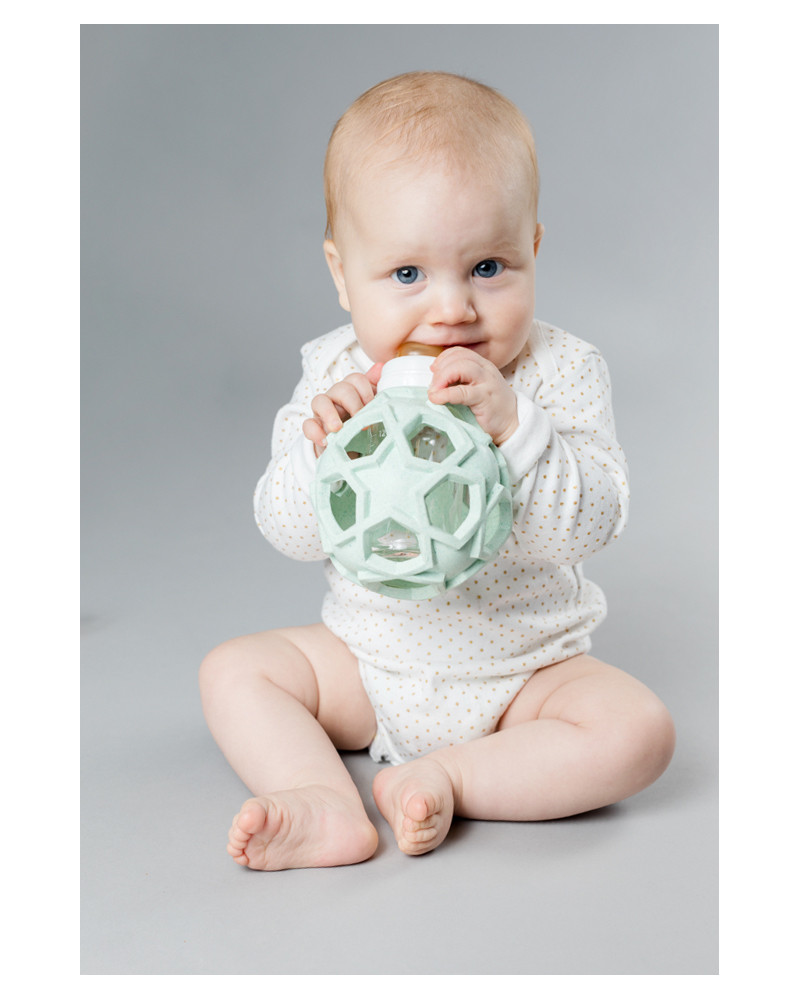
{"x":279,"y":704}
{"x":579,"y":735}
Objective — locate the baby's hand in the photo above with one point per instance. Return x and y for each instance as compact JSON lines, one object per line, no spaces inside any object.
{"x":338,"y":404}
{"x":463,"y":376}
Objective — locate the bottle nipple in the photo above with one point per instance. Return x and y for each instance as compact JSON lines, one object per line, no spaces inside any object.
{"x":411,"y":348}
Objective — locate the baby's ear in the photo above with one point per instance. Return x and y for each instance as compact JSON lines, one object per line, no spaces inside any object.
{"x":539,"y":235}
{"x":337,"y":271}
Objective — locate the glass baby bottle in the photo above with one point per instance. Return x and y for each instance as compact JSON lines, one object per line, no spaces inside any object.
{"x":411,"y":367}
{"x":411,"y":497}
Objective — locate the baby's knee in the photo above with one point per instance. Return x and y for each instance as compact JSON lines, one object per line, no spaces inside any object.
{"x":217,"y":664}
{"x":647,"y":741}
{"x":227,"y":663}
{"x":266,"y":661}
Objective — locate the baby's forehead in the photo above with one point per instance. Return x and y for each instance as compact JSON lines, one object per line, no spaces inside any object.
{"x":399,"y":206}
{"x":381,"y":164}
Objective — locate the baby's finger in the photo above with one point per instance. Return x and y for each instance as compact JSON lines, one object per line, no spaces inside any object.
{"x":327,"y":413}
{"x":351,"y":395}
{"x":364,"y":382}
{"x":460,"y":394}
{"x":458,"y":364}
{"x":313,"y":430}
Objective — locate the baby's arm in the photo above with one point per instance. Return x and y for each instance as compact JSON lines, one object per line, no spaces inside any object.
{"x":569,"y":472}
{"x":282,"y":501}
{"x":570,"y":482}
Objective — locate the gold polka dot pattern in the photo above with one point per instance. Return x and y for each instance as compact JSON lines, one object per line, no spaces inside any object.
{"x":443,"y":671}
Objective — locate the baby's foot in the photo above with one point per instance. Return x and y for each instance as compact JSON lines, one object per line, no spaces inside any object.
{"x":309,"y":827}
{"x":417,"y":799}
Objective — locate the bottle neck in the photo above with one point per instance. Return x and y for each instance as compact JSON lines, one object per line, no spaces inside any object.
{"x":413,"y":371}
{"x":411,"y":367}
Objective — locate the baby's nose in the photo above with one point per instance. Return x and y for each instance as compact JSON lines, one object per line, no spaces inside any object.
{"x":452,"y":304}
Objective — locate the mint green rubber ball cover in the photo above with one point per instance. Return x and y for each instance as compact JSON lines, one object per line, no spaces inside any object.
{"x":412,"y":498}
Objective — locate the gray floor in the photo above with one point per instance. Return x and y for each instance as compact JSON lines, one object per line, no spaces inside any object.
{"x":626,"y":890}
{"x":203,"y":274}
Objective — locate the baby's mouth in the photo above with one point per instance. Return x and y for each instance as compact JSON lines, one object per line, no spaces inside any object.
{"x":471,"y":346}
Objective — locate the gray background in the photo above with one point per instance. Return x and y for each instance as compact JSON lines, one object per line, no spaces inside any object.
{"x":202,"y":221}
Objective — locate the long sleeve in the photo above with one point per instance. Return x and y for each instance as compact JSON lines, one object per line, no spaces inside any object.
{"x":569,"y":474}
{"x":282,"y":500}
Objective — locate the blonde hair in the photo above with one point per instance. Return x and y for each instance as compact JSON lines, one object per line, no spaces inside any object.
{"x":428,"y":116}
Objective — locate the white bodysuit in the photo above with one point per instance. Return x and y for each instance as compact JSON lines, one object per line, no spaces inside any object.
{"x":442,"y":671}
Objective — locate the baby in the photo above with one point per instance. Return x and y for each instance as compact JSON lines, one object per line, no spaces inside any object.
{"x":483,"y":701}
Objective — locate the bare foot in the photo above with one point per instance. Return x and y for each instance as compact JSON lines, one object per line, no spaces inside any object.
{"x":418,"y":800}
{"x":309,"y":827}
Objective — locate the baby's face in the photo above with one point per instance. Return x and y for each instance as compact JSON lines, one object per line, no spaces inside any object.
{"x":427,"y":255}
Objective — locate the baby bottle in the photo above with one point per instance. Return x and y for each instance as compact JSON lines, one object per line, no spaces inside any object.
{"x":411,"y":497}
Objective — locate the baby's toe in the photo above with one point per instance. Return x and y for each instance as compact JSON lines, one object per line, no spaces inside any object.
{"x":252,"y":818}
{"x":237,"y":841}
{"x":422,"y":836}
{"x":236,"y":833}
{"x":420,"y":807}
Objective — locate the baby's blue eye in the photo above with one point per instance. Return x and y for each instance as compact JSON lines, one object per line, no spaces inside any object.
{"x":488,"y":268}
{"x":406,"y":275}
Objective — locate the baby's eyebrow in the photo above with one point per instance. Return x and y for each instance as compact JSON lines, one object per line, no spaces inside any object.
{"x":499,"y":249}
{"x":401,"y":255}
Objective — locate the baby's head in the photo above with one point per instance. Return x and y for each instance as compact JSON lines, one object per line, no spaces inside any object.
{"x":431,"y":185}
{"x":428,"y":118}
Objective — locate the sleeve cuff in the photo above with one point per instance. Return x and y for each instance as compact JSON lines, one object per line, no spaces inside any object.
{"x":528,"y":442}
